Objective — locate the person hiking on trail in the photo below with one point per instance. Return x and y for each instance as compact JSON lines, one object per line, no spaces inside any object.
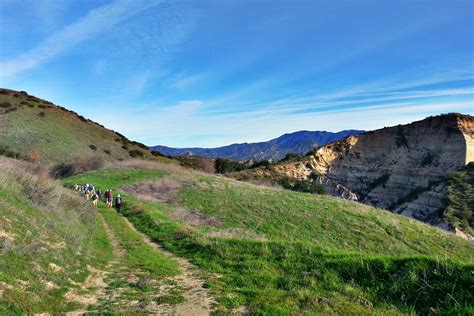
{"x":99,"y":193}
{"x":110,"y":198}
{"x":118,"y":203}
{"x":95,"y":199}
{"x":88,"y":194}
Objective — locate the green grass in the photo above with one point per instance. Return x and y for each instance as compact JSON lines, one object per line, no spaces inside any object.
{"x":137,"y":254}
{"x":53,"y":238}
{"x":60,"y":135}
{"x":320,"y":254}
{"x":322,"y":220}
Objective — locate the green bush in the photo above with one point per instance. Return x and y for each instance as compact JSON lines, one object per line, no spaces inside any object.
{"x":136,"y":153}
{"x":225,"y":165}
{"x":307,"y":186}
{"x":292,"y":157}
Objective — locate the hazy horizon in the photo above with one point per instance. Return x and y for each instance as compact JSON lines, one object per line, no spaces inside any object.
{"x":214,"y":73}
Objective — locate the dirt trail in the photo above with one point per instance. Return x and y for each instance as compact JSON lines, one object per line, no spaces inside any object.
{"x":95,"y":281}
{"x":197,"y":300}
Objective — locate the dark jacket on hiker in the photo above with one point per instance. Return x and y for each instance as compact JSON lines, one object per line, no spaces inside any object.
{"x":118,"y":203}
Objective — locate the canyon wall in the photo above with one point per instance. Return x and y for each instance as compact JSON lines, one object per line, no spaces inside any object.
{"x":396,"y":168}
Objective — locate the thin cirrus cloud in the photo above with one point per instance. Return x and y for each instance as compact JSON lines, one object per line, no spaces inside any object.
{"x":92,"y":24}
{"x":208,"y":73}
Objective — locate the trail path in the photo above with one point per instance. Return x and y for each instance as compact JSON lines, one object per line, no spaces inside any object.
{"x":99,"y":293}
{"x":197,"y":300}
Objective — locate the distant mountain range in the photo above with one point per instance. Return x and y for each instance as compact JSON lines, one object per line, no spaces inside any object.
{"x":299,"y":142}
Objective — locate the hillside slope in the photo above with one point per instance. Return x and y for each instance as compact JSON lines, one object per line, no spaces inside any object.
{"x":38,"y":130}
{"x":401,"y":168}
{"x":299,"y":142}
{"x":59,"y":254}
{"x":276,"y":252}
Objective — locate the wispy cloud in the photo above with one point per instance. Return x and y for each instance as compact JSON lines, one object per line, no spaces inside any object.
{"x":92,"y":24}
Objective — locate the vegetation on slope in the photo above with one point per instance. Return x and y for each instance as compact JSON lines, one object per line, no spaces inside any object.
{"x":48,"y":237}
{"x":55,"y":252}
{"x":37,"y":130}
{"x":460,"y":199}
{"x":269,"y":251}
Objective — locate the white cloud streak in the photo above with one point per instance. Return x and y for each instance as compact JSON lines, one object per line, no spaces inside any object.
{"x":92,"y":24}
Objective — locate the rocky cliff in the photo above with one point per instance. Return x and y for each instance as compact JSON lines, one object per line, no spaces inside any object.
{"x":398,"y":168}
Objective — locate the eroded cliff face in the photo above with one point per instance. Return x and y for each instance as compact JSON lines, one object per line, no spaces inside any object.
{"x":397,"y":168}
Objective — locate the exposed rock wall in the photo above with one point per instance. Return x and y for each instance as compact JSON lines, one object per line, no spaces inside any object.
{"x":396,"y":168}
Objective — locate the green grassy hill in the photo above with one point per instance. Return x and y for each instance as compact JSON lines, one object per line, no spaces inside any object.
{"x":276,"y":252}
{"x":56,"y":255}
{"x":35,"y":129}
{"x":261,"y":250}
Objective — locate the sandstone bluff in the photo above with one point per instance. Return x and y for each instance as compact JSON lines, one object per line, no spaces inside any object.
{"x":397,"y":168}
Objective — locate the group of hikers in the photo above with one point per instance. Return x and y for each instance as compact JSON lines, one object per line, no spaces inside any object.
{"x":90,"y":193}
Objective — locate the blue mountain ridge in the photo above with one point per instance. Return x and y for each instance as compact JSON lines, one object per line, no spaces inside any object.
{"x":299,"y":142}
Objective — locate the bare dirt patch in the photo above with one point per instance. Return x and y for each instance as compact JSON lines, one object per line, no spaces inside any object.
{"x":194,"y":218}
{"x":166,"y":190}
{"x":162,"y":190}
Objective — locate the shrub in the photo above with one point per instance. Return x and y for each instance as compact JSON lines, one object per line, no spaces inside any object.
{"x":261,"y":163}
{"x":93,"y":147}
{"x":107,"y":151}
{"x":5,"y":151}
{"x":12,"y":109}
{"x":225,"y":165}
{"x":378,"y":182}
{"x":125,"y":147}
{"x":82,"y":118}
{"x":135,"y":153}
{"x":5,"y":105}
{"x":143,"y":146}
{"x":3,"y":91}
{"x":307,"y":186}
{"x":42,"y":106}
{"x":79,"y":165}
{"x":401,"y":139}
{"x":292,"y":156}
{"x":429,"y":159}
{"x":42,"y":114}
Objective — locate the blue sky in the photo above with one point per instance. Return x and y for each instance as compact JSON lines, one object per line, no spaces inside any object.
{"x":210,"y":73}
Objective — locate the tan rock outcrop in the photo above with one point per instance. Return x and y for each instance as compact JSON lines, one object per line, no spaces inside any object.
{"x":395,"y":168}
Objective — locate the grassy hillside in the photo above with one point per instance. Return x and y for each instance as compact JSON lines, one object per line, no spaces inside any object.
{"x":270,"y":251}
{"x":56,"y":255}
{"x":38,"y":130}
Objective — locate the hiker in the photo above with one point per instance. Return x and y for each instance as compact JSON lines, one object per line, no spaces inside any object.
{"x":76,"y":187}
{"x":88,"y":194}
{"x":95,"y":199}
{"x":110,"y":198}
{"x":118,"y":203}
{"x":99,"y":193}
